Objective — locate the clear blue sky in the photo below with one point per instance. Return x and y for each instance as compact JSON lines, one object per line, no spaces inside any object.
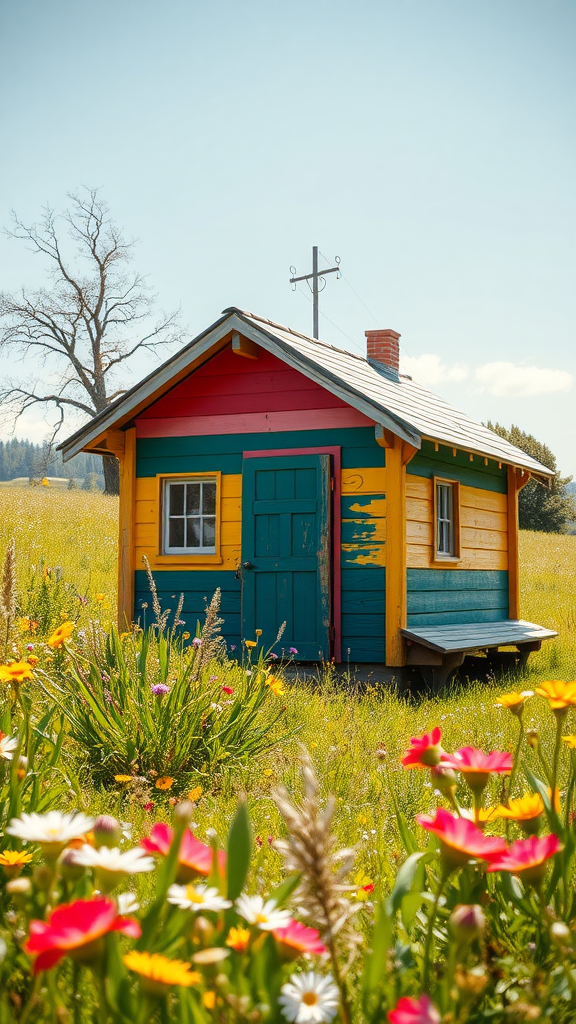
{"x":429,"y":143}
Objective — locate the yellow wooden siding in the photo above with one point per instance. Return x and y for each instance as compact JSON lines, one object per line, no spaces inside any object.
{"x":483,"y":527}
{"x":363,"y":481}
{"x":364,"y":535}
{"x":147,"y":527}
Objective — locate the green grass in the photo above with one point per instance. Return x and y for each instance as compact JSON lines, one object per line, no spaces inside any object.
{"x":355,"y":739}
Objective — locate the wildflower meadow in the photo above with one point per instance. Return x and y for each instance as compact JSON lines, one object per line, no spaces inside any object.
{"x":191,"y":834}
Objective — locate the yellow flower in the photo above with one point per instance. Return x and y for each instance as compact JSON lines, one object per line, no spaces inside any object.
{"x":571,"y":741}
{"x":124,"y":635}
{"x":16,"y":672}
{"x":514,"y":701}
{"x":32,"y":660}
{"x":186,"y":635}
{"x":27,"y":625}
{"x":164,"y":782}
{"x":195,"y":794}
{"x":268,"y":772}
{"x":276,"y":685}
{"x":60,"y":635}
{"x":362,"y":819}
{"x":158,"y":973}
{"x":12,"y":861}
{"x":45,"y":482}
{"x":123,"y":778}
{"x":526,"y":807}
{"x":238,"y":939}
{"x":209,"y":999}
{"x":250,"y":644}
{"x":559,"y":694}
{"x":257,"y":632}
{"x":365,"y":885}
{"x":99,"y":597}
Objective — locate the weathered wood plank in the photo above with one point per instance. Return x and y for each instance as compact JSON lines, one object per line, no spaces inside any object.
{"x":364,"y":480}
{"x":471,"y":636}
{"x":438,"y":579}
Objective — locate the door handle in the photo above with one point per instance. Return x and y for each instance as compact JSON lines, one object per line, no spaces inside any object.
{"x":248,"y":565}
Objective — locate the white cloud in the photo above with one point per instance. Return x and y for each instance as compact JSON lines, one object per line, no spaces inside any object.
{"x":508,"y":380}
{"x":429,"y":369}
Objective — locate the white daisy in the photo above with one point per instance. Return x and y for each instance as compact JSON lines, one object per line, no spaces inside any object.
{"x":115,"y":861}
{"x":7,"y":745}
{"x":262,"y":914}
{"x":309,"y":998}
{"x":197,"y":897}
{"x":127,"y":903}
{"x":52,"y":830}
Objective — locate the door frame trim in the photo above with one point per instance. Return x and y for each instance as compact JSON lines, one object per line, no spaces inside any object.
{"x":336,"y":526}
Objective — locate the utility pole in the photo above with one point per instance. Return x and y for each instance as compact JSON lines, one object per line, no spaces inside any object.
{"x":316,"y":277}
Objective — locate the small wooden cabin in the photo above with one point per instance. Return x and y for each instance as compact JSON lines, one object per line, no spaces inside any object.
{"x":318,"y":488}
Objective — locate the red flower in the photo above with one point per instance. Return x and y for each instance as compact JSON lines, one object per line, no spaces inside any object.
{"x":526,"y":857}
{"x":460,"y":840}
{"x":477,"y":766}
{"x":228,"y":689}
{"x":194,"y":857}
{"x":414,"y":1011}
{"x":76,"y":929}
{"x":424,"y":752}
{"x":297,"y":938}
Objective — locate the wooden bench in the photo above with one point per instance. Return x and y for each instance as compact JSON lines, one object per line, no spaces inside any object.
{"x":440,"y":650}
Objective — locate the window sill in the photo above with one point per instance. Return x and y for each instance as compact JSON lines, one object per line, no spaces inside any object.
{"x":185,"y":561}
{"x":446,"y":562}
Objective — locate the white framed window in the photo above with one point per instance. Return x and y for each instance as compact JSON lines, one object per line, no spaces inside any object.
{"x":447,"y":519}
{"x":189,"y":507}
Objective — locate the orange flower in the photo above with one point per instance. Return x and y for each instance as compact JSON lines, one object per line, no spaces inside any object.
{"x":99,"y":597}
{"x":16,"y":672}
{"x":27,"y":625}
{"x":276,"y":685}
{"x":164,"y":782}
{"x":195,"y":794}
{"x":559,"y":694}
{"x":238,"y":939}
{"x":32,"y":660}
{"x":158,"y":974}
{"x":60,"y":635}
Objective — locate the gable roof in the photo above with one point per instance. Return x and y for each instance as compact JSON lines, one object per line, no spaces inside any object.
{"x":396,"y":402}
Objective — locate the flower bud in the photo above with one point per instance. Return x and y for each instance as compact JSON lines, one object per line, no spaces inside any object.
{"x":19,"y":889}
{"x":467,"y":922}
{"x":106,"y":831}
{"x":183,"y":813}
{"x":444,"y":780}
{"x":42,"y":878}
{"x":560,"y":934}
{"x":532,"y":738}
{"x":70,"y":869}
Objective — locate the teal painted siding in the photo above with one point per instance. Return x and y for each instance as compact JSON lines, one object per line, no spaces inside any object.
{"x":197,"y":587}
{"x":449,"y":596}
{"x":427,"y":462}
{"x":363,"y":614}
{"x":223,"y":452}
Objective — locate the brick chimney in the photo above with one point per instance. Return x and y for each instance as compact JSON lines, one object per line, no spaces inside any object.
{"x":382,"y":347}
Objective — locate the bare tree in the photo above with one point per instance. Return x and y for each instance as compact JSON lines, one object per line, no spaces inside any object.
{"x":96,"y":315}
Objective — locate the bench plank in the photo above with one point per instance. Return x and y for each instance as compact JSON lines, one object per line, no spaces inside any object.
{"x":470,"y":636}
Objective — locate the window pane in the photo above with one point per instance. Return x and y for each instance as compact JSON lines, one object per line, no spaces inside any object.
{"x":209,"y":532}
{"x":176,"y":533}
{"x":193,"y":499}
{"x":209,"y":499}
{"x":176,"y":499}
{"x":193,"y":534}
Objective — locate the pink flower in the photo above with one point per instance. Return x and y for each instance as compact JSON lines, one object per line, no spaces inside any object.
{"x":197,"y":641}
{"x":149,"y":806}
{"x":297,"y":938}
{"x":460,"y":840}
{"x":414,"y":1011}
{"x":258,"y":842}
{"x":74,"y":929}
{"x":228,"y":689}
{"x":526,"y":858}
{"x":473,"y":763}
{"x":424,"y":752}
{"x":194,"y":858}
{"x":274,"y":656}
{"x":292,"y":650}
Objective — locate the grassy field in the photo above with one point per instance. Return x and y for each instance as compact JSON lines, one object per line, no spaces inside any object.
{"x":355,"y":739}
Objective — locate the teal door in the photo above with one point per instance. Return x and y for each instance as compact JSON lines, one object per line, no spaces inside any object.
{"x":286,"y":553}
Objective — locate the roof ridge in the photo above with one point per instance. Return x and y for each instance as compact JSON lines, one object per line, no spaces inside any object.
{"x":298,"y":334}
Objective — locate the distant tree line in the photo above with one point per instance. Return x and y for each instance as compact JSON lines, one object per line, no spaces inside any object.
{"x":24,"y":458}
{"x":547,"y":509}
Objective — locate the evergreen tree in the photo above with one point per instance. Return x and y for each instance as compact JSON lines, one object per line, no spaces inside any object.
{"x":548,"y":510}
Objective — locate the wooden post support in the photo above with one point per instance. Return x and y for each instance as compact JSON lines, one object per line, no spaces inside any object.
{"x":126,"y":531}
{"x":517,"y":479}
{"x":244,"y":347}
{"x":396,"y":598}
